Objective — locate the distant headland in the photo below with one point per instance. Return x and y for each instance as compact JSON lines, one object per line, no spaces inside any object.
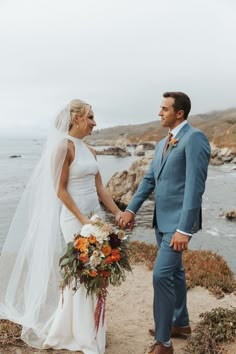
{"x":219,"y":126}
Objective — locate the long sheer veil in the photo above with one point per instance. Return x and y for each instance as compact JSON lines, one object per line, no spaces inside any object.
{"x":29,"y":277}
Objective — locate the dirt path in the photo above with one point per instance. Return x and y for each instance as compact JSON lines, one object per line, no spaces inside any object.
{"x":129,"y":315}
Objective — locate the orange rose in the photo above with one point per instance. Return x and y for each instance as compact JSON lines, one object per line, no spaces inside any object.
{"x":116,"y":257}
{"x":78,"y":243}
{"x":93,"y":273}
{"x":84,"y":249}
{"x":109,"y":260}
{"x":92,"y":239}
{"x":106,"y":250}
{"x":115,"y":251}
{"x":81,"y":243}
{"x":83,"y":257}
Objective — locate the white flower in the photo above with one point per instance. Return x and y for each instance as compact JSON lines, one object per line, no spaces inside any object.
{"x":93,"y":230}
{"x":101,"y":236}
{"x":87,"y":230}
{"x":95,"y":253}
{"x":121,"y":235}
{"x":94,"y":218}
{"x":95,"y":261}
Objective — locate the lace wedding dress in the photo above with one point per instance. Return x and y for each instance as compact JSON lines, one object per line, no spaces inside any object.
{"x":72,"y":327}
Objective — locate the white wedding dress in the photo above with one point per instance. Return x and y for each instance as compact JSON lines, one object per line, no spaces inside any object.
{"x":73,"y":327}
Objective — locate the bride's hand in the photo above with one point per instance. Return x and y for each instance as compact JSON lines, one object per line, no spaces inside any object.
{"x":85,"y":221}
{"x":117,"y":217}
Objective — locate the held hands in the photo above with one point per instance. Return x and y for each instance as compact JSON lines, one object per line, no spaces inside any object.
{"x":125,"y":220}
{"x":179,"y":242}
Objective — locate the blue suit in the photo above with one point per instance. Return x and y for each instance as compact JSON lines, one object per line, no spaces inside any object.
{"x":178,"y":181}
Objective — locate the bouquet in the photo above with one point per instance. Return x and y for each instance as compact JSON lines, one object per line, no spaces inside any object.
{"x":96,"y":258}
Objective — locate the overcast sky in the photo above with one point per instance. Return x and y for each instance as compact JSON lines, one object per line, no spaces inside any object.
{"x":118,"y":55}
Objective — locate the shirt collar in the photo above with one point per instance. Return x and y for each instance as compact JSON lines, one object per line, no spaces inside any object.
{"x":177,"y":129}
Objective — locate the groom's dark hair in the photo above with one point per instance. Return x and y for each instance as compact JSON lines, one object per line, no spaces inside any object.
{"x":182,"y":102}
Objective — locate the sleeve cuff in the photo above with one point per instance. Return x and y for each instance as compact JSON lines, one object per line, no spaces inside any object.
{"x":130,"y":211}
{"x":184,"y":233}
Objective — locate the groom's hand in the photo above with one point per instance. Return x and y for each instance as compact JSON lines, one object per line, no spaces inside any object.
{"x":126,"y":220}
{"x":179,"y":242}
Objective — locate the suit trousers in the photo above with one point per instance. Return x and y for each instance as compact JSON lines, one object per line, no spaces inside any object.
{"x":170,"y":292}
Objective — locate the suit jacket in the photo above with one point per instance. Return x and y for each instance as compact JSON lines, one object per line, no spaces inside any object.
{"x":178,"y":180}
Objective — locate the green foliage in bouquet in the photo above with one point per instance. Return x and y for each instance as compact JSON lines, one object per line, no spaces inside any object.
{"x":97,"y":257}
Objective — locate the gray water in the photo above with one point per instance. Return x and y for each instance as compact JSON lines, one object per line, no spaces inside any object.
{"x":218,"y":234}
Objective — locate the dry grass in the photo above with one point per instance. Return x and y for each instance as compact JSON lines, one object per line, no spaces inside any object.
{"x":9,"y":333}
{"x":209,"y":270}
{"x":217,"y":328}
{"x":142,"y":253}
{"x":203,"y":268}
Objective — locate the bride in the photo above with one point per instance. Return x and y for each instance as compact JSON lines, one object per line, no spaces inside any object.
{"x":63,"y":190}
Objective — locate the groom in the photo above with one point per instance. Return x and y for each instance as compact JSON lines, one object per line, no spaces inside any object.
{"x":177,"y":174}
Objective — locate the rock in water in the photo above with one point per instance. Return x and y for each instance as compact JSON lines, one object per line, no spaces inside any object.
{"x":14,"y":156}
{"x":231,"y":214}
{"x":124,"y":184}
{"x":115,"y":151}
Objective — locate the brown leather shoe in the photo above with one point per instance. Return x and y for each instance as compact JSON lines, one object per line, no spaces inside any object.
{"x":176,"y":332}
{"x":159,"y":348}
{"x":152,"y":331}
{"x":181,"y":332}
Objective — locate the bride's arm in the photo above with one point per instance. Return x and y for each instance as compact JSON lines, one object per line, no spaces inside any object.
{"x":103,"y":193}
{"x":105,"y":196}
{"x":63,"y":193}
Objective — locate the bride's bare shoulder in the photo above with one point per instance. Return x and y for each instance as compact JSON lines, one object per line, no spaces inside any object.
{"x":64,"y":149}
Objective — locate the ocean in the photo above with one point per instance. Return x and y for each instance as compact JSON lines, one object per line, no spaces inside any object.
{"x":218,"y":234}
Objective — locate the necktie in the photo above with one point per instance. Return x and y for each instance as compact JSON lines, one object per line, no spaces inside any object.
{"x":170,"y":135}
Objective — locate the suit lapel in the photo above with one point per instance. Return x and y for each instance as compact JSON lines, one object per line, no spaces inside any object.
{"x":162,"y":146}
{"x":178,"y":137}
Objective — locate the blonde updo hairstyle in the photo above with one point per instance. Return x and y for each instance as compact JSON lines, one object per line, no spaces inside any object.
{"x":78,"y":108}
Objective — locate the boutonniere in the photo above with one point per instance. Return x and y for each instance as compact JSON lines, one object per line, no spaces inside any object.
{"x":173,"y":142}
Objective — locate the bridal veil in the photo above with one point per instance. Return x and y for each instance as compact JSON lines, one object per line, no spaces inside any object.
{"x":29,"y":277}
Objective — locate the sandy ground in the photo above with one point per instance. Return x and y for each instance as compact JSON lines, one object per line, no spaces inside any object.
{"x":129,"y":315}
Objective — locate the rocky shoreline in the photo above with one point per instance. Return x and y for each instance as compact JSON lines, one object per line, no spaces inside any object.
{"x":219,"y":156}
{"x":219,"y":127}
{"x":141,"y":139}
{"x":115,"y":151}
